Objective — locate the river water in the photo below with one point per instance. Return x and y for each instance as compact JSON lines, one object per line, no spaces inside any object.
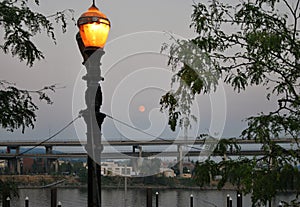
{"x":135,"y":198}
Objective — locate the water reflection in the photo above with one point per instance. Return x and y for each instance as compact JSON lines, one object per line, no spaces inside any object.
{"x":135,"y":198}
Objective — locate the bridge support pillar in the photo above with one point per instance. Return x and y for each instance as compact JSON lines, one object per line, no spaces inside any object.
{"x":18,"y":166}
{"x":137,"y":161}
{"x":49,"y":149}
{"x":56,"y":164}
{"x":14,"y":164}
{"x":10,"y":165}
{"x":17,"y":163}
{"x":17,"y":150}
{"x":180,"y":160}
{"x":140,"y":151}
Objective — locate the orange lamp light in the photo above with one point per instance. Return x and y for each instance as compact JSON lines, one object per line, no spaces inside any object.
{"x":94,"y":28}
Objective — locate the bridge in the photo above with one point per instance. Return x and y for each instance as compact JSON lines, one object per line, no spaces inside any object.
{"x":69,"y":143}
{"x":192,"y":148}
{"x":127,"y":155}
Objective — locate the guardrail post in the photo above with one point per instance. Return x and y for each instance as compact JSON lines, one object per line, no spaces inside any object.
{"x":191,"y":200}
{"x":53,"y":197}
{"x":239,"y":200}
{"x":26,"y":202}
{"x":149,"y":197}
{"x":227,"y":200}
{"x":8,"y":202}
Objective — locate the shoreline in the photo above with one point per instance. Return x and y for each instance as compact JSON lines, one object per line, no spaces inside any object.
{"x":51,"y":181}
{"x":162,"y":188}
{"x":129,"y":187}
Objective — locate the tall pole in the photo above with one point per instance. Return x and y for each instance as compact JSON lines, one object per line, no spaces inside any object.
{"x":156,"y":200}
{"x":26,"y":202}
{"x":180,"y":160}
{"x":239,"y":199}
{"x":149,"y":197}
{"x":228,"y":200}
{"x":93,"y":119}
{"x":191,"y":201}
{"x":53,"y":197}
{"x":125,"y":187}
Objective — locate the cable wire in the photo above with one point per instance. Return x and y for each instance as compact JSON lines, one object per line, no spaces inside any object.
{"x":141,"y":131}
{"x":49,"y":138}
{"x":109,"y":116}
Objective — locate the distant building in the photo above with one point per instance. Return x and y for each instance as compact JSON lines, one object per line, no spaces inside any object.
{"x":188,"y":167}
{"x":114,"y":169}
{"x":167,"y":172}
{"x":33,"y":165}
{"x":60,"y":162}
{"x":28,"y":164}
{"x":3,"y":164}
{"x":186,"y":175}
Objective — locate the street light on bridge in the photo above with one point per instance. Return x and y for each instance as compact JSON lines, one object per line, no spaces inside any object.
{"x":91,"y":38}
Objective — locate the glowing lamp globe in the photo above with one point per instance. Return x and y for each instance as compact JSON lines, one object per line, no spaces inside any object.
{"x":93,"y":28}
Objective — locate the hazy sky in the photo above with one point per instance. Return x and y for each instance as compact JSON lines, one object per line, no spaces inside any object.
{"x":135,"y":73}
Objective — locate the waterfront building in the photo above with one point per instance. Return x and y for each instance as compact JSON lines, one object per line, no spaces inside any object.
{"x":167,"y":172}
{"x":114,"y":169}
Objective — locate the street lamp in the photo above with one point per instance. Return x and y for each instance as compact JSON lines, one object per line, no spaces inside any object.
{"x":91,"y":38}
{"x":94,"y":28}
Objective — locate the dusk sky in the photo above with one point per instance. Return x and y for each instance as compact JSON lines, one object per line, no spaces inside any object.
{"x":135,"y":72}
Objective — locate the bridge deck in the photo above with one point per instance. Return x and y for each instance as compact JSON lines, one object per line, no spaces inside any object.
{"x":126,"y":142}
{"x":127,"y":155}
{"x":146,"y":152}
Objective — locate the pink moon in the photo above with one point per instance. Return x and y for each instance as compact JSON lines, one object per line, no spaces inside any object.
{"x":141,"y":108}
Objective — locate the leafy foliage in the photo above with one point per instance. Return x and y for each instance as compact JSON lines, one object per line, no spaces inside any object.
{"x":20,"y":24}
{"x":196,"y":75}
{"x":17,"y":108}
{"x":248,"y":44}
{"x":225,"y":145}
{"x":8,"y":188}
{"x":245,"y":44}
{"x":205,"y":172}
{"x":263,"y":177}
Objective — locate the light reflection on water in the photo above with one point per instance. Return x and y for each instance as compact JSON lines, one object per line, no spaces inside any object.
{"x":135,"y":198}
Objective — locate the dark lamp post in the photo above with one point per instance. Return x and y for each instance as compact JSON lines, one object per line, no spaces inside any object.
{"x":91,"y":38}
